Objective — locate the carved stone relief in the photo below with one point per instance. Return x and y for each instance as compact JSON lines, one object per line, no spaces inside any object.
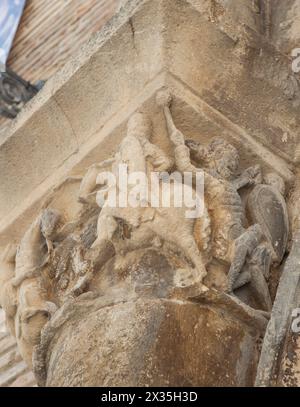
{"x":109,"y":279}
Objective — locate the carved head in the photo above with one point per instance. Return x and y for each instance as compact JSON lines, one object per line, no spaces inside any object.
{"x":193,"y":146}
{"x":224,"y":158}
{"x":139,"y":126}
{"x":275,"y":181}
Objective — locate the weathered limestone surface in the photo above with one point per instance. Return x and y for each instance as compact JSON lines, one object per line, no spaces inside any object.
{"x":13,"y":370}
{"x":155,"y":298}
{"x":155,"y":343}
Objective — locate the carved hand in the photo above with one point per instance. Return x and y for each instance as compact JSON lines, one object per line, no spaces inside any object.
{"x":177,"y":138}
{"x":253,"y":173}
{"x":164,"y":98}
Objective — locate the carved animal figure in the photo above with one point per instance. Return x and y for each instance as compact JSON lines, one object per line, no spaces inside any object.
{"x":35,"y":246}
{"x":34,"y":309}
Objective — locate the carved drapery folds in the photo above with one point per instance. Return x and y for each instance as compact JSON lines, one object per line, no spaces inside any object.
{"x":152,"y":266}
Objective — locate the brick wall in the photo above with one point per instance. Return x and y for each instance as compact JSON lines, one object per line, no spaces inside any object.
{"x":51,"y":31}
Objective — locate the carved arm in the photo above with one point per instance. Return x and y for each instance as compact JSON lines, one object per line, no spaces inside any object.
{"x":176,"y":136}
{"x":164,"y":99}
{"x":158,"y":158}
{"x":181,"y":152}
{"x":88,"y":183}
{"x":248,"y":177}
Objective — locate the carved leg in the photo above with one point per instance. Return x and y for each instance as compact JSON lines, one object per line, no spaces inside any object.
{"x":261,"y":289}
{"x":253,"y":274}
{"x":243,"y":279}
{"x":88,"y":184}
{"x":190,"y":249}
{"x":243,"y":246}
{"x":106,"y":227}
{"x":259,"y":267}
{"x":92,"y":263}
{"x":240,"y":254}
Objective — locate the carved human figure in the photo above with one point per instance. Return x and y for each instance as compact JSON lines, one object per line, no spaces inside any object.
{"x":136,"y":151}
{"x":140,"y":157}
{"x":231,"y":242}
{"x":266,"y":206}
{"x":170,"y":224}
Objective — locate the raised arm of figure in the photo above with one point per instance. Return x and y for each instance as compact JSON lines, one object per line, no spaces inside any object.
{"x":164,"y":100}
{"x":182,"y":152}
{"x":248,"y":177}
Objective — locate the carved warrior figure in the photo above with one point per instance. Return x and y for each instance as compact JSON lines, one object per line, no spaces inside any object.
{"x":266,"y":206}
{"x":232,"y":243}
{"x":169,"y":224}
